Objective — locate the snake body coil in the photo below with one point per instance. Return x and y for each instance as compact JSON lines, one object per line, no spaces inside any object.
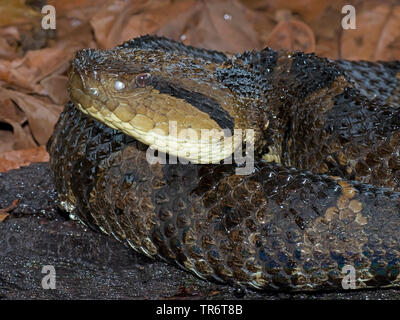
{"x":324,"y":192}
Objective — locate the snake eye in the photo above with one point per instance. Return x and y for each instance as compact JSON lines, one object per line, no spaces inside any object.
{"x":142,"y":79}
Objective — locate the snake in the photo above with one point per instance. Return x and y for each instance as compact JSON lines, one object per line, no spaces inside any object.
{"x":311,"y":201}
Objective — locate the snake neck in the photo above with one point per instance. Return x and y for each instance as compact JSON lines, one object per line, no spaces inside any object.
{"x":282,"y":89}
{"x":247,"y":75}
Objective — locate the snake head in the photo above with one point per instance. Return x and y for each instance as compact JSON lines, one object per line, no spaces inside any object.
{"x":171,"y":101}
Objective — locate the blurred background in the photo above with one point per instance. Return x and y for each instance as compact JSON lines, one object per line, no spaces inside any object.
{"x":34,"y":61}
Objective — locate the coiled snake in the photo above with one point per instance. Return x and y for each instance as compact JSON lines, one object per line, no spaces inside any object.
{"x":324,"y":191}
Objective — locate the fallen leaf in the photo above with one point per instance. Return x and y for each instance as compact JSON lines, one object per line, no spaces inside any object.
{"x":6,"y":139}
{"x":388,"y":46}
{"x":18,"y":158}
{"x":17,"y":12}
{"x":328,"y":29}
{"x":376,"y":36}
{"x":109,"y":22}
{"x":219,"y":25}
{"x":308,"y":9}
{"x":123,"y":20}
{"x":13,"y":116}
{"x":9,"y":38}
{"x":73,"y":21}
{"x":41,"y":115}
{"x":55,"y":86}
{"x":34,"y":66}
{"x":22,"y":137}
{"x":66,"y":7}
{"x":214,"y":292}
{"x":4,"y":213}
{"x":292,"y":35}
{"x":8,"y":111}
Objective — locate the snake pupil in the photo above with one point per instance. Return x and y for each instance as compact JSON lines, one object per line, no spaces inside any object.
{"x":142,"y":79}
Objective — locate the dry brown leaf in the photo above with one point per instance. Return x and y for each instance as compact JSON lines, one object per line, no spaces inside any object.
{"x":77,"y":35}
{"x":5,"y":212}
{"x":124,"y":20}
{"x":292,"y":35}
{"x":41,"y":115}
{"x":18,"y":158}
{"x":22,"y":137}
{"x":17,"y":12}
{"x":109,"y":22}
{"x":388,"y":46}
{"x":34,"y":66}
{"x":376,"y":36}
{"x":155,"y":17}
{"x":55,"y":86}
{"x":308,"y":9}
{"x":327,"y":29}
{"x":219,"y":25}
{"x":263,"y":22}
{"x":73,"y":21}
{"x":6,"y":50}
{"x":9,"y":37}
{"x":3,"y":216}
{"x":8,"y":111}
{"x":6,"y":140}
{"x":65,"y":7}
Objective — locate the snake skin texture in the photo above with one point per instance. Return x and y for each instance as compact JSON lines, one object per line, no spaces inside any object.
{"x":332,"y":199}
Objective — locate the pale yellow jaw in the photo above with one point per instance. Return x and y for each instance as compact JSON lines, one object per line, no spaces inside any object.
{"x":197,"y":146}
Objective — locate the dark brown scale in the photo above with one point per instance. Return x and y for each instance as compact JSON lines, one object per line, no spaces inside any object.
{"x":279,"y":227}
{"x":375,"y":80}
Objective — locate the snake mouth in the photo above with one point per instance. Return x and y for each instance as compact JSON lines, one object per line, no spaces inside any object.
{"x":168,"y":119}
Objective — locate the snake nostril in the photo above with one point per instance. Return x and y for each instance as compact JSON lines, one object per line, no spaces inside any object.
{"x":119,"y":85}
